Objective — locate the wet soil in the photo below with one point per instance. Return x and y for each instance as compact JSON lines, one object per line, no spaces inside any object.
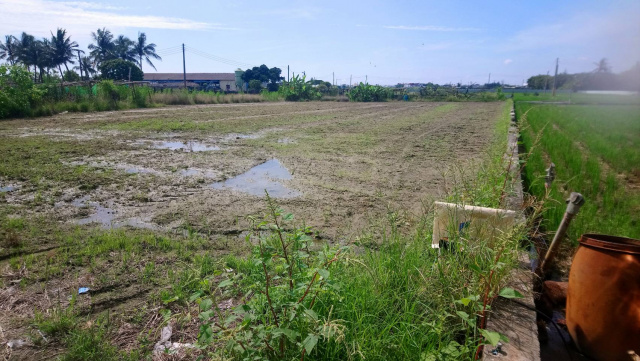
{"x":346,"y":166}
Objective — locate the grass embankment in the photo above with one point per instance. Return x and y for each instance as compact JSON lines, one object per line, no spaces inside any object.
{"x":387,"y":296}
{"x":595,"y":150}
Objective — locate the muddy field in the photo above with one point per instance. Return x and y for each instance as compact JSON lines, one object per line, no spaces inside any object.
{"x":192,"y":175}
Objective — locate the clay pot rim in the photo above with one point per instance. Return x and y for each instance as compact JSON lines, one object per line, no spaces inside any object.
{"x":612,"y":243}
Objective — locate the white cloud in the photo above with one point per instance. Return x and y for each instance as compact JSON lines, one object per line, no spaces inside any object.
{"x":39,"y":17}
{"x":508,"y":61}
{"x":428,"y":28}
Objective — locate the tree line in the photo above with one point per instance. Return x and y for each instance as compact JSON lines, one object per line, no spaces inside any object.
{"x":106,"y":54}
{"x":600,"y":78}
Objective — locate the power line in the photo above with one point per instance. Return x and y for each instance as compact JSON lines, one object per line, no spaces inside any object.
{"x":217,"y":58}
{"x":169,"y":48}
{"x":177,"y":51}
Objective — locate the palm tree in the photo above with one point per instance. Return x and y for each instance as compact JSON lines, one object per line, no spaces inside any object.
{"x":62,"y":49}
{"x":142,"y":49}
{"x":103,"y":48}
{"x":85,"y":65}
{"x":602,"y":66}
{"x":123,"y":48}
{"x":8,"y":49}
{"x":43,"y":56}
{"x":24,"y":51}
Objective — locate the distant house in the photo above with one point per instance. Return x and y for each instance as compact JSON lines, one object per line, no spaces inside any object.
{"x":206,"y":81}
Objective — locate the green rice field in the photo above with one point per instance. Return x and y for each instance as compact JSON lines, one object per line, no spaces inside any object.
{"x":595,"y":146}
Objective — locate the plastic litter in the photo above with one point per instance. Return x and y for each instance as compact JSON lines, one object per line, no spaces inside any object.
{"x":164,"y":345}
{"x":16,"y":343}
{"x":83,"y":290}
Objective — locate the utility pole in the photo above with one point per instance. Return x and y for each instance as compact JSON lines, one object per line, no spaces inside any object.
{"x":553,"y":94}
{"x":489,"y":82}
{"x":334,"y":78}
{"x":184,"y":68}
{"x":350,"y":81}
{"x":288,"y":74}
{"x":366,"y":79}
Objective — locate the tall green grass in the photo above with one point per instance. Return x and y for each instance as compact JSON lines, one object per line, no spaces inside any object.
{"x":595,"y":150}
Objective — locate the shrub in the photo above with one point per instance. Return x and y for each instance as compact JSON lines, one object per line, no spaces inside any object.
{"x":369,"y":93}
{"x":110,"y":92}
{"x":298,"y":88}
{"x":255,"y":86}
{"x":118,"y":69}
{"x":18,"y":94}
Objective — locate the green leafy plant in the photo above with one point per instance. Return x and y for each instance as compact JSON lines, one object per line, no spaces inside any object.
{"x":17,"y":92}
{"x":370,"y":93}
{"x":282,"y":281}
{"x":298,"y":88}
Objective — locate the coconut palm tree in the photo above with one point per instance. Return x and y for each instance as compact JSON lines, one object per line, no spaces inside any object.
{"x":25,"y":47}
{"x":43,"y":56}
{"x":8,"y":49}
{"x":62,"y":49}
{"x":124,"y":48}
{"x":85,"y":65}
{"x":142,"y":49}
{"x":602,"y":66}
{"x":104,"y":47}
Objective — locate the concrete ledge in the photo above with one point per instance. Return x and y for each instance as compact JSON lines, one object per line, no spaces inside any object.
{"x":516,"y":321}
{"x":511,"y":319}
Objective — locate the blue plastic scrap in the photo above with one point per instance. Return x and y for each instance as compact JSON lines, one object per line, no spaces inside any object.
{"x":82,"y":290}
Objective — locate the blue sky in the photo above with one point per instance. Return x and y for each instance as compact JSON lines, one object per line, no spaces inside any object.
{"x":387,"y":41}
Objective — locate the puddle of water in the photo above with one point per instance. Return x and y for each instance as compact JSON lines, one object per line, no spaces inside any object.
{"x":189,"y":146}
{"x":136,"y":170}
{"x":135,"y":223}
{"x":105,"y":216}
{"x":80,"y":202}
{"x":102,"y":215}
{"x":259,"y":178}
{"x":7,"y":189}
{"x":189,"y":172}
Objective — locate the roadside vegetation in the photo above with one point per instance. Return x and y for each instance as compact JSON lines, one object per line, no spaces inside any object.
{"x":594,"y":146}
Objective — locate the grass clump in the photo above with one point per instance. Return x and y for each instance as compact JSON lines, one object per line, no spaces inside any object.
{"x":82,"y":340}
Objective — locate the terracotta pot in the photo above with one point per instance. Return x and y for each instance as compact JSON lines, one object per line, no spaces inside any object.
{"x":603,"y":300}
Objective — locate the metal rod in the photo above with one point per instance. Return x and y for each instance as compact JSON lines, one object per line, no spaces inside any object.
{"x":575,"y":201}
